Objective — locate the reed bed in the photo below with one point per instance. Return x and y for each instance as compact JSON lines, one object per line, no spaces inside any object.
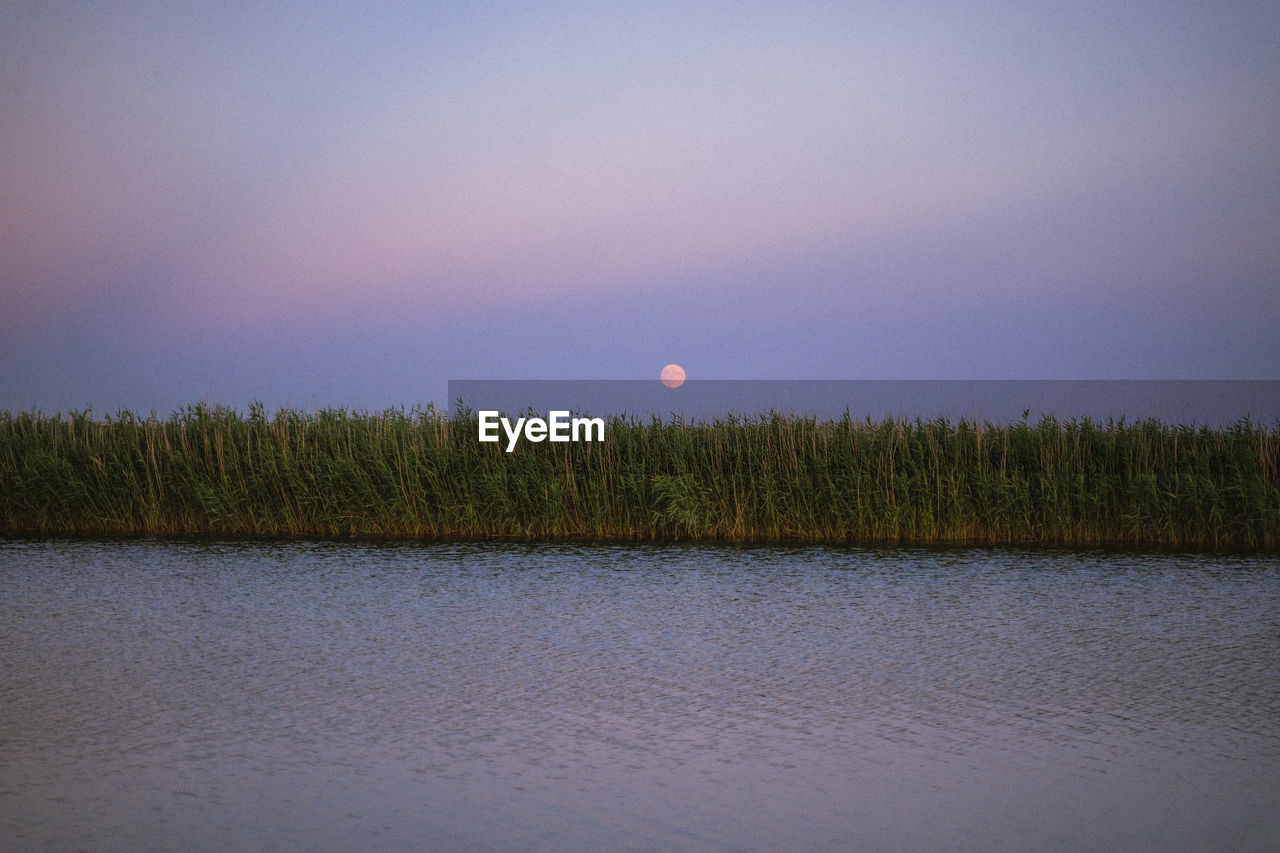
{"x":423,"y":474}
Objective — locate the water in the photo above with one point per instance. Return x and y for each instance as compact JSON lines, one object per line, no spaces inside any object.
{"x":218,"y":695}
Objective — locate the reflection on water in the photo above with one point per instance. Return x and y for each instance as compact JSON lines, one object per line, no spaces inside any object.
{"x":206,"y":695}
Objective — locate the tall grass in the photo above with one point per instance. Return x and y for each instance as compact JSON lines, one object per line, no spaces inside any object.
{"x":335,"y":473}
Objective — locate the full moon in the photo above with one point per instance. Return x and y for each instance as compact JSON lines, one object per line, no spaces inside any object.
{"x":673,"y":376}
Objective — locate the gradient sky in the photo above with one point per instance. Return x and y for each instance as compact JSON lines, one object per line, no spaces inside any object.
{"x":347,"y":204}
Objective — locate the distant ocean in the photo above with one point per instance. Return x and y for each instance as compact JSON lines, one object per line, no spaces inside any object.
{"x":1213,"y":403}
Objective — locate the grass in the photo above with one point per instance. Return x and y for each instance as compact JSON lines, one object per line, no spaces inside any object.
{"x":423,"y":474}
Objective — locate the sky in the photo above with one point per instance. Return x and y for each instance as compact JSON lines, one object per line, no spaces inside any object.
{"x":347,"y":204}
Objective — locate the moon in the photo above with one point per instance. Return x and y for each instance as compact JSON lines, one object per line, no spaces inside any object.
{"x":673,"y":376}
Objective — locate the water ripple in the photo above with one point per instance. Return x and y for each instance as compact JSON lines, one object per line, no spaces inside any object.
{"x":500,"y":696}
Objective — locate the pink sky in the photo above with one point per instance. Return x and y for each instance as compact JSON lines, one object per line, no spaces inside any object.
{"x":319,"y":204}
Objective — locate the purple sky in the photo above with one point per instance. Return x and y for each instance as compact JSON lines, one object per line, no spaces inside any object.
{"x":347,"y":204}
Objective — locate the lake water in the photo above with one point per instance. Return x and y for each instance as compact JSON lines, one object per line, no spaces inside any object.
{"x":162,"y":694}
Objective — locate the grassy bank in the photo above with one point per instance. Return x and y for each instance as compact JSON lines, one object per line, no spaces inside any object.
{"x":422,"y":474}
